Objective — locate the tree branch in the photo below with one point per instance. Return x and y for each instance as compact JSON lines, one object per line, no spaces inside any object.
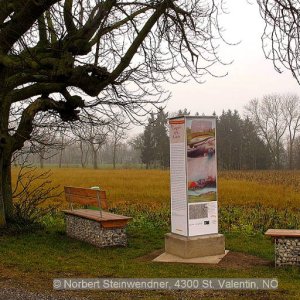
{"x":21,"y":21}
{"x":78,"y":43}
{"x":117,"y":25}
{"x":66,"y":110}
{"x":71,"y":28}
{"x":5,"y":10}
{"x":42,"y":31}
{"x":36,"y":90}
{"x":126,"y":59}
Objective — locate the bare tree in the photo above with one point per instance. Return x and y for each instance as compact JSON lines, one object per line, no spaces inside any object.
{"x":42,"y":157}
{"x":291,"y":111}
{"x":136,"y":145}
{"x":84,"y":152}
{"x":117,"y":133}
{"x":94,"y":136}
{"x":281,"y":37}
{"x":270,"y":121}
{"x":31,"y":199}
{"x":62,"y":138}
{"x":64,"y":59}
{"x":46,"y":142}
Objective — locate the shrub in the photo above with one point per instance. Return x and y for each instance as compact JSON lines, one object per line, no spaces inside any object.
{"x":34,"y":196}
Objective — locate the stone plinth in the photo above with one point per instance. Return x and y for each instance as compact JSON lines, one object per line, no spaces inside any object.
{"x":192,"y":247}
{"x":214,"y":259}
{"x":287,"y":251}
{"x":91,"y":231}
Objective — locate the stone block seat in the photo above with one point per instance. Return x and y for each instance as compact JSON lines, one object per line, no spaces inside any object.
{"x":97,"y":227}
{"x":287,"y":246}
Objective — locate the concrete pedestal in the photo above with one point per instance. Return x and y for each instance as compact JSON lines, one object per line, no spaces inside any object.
{"x":169,"y":258}
{"x":194,"y":247}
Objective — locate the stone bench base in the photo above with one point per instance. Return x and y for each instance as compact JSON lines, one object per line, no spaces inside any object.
{"x":287,"y":251}
{"x":91,"y":231}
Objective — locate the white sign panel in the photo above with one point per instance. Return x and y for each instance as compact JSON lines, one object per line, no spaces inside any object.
{"x":193,"y":168}
{"x":179,"y":213}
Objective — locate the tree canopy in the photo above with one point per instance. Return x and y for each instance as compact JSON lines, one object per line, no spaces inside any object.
{"x":155,"y":149}
{"x":239,"y":145}
{"x":75,"y":59}
{"x":281,"y":37}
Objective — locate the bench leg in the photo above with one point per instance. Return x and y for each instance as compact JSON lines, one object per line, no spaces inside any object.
{"x":275,"y":251}
{"x":287,"y":251}
{"x":91,"y":231}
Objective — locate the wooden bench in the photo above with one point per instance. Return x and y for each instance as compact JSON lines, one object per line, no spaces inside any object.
{"x":287,"y":246}
{"x":97,"y":227}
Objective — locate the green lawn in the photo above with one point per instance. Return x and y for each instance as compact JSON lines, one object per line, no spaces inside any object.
{"x":49,"y":253}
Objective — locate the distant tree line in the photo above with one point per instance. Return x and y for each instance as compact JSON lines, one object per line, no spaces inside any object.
{"x":155,"y":141}
{"x":266,"y":137}
{"x":239,"y":145}
{"x":277,"y":121}
{"x":83,"y":145}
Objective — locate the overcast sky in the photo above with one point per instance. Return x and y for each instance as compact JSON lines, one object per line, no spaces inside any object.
{"x":250,"y":75}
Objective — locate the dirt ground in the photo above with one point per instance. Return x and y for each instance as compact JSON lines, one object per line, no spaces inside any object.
{"x":233,"y":260}
{"x":17,"y":285}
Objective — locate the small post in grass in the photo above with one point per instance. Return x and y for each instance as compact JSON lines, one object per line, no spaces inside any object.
{"x":97,"y":188}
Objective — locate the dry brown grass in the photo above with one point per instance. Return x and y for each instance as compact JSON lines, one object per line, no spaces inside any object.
{"x":147,"y":187}
{"x":150,"y":188}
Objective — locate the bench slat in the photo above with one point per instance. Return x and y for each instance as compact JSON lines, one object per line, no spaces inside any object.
{"x":82,"y":200}
{"x":91,"y":197}
{"x":86,"y":192}
{"x":108,"y":220}
{"x":95,"y":213}
{"x":86,"y":196}
{"x":283,"y":232}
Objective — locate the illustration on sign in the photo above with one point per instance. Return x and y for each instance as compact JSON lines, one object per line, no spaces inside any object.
{"x":201,"y":160}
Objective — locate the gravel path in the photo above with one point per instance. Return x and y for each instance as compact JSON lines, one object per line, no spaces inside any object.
{"x":13,"y":293}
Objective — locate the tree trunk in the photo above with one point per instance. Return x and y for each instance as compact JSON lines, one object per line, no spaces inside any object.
{"x":41,"y":157}
{"x":277,"y":157}
{"x":61,"y":152}
{"x":291,"y":154}
{"x":95,"y":159}
{"x":60,"y":160}
{"x":6,"y":204}
{"x":83,"y":156}
{"x":114,"y":155}
{"x":41,"y":162}
{"x":2,"y":210}
{"x":7,"y":189}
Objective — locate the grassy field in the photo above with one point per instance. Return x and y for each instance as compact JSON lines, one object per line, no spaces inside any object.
{"x":250,"y":202}
{"x":134,"y":186}
{"x":151,"y":187}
